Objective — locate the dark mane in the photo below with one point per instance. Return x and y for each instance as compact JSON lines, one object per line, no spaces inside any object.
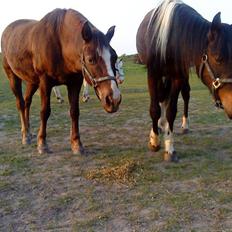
{"x":193,"y":29}
{"x":224,"y":43}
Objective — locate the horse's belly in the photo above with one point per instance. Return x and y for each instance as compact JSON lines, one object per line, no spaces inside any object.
{"x":24,"y":70}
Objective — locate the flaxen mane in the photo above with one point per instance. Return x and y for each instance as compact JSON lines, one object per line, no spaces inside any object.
{"x":180,"y":33}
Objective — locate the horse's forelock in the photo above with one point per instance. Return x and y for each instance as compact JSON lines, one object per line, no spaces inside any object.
{"x":222,"y":46}
{"x":228,"y":43}
{"x":99,"y":41}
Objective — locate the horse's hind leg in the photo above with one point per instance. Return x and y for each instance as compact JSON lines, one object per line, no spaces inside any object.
{"x":57,"y":93}
{"x":155,"y":112}
{"x":16,"y":86}
{"x":85,"y":95}
{"x":30,"y":90}
{"x":170,"y":154}
{"x":185,"y":92}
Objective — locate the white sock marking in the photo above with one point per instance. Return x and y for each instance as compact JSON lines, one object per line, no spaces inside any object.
{"x":168,"y":139}
{"x":154,"y":139}
{"x":185,"y":123}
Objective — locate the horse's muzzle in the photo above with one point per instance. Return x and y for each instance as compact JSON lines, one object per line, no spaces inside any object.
{"x":111,"y":105}
{"x":225,"y":95}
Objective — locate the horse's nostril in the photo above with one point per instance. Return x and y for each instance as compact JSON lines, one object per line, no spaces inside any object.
{"x":109,"y":100}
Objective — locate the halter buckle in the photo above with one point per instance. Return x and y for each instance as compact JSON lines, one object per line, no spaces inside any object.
{"x":217,"y":83}
{"x":204,"y":58}
{"x":94,"y":82}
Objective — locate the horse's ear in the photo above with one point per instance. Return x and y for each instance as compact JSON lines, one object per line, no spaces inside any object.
{"x":216,"y":23}
{"x":215,"y":27}
{"x":87,"y":33}
{"x":110,"y":33}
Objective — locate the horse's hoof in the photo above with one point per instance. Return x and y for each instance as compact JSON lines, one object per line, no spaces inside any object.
{"x":79,"y":151}
{"x":26,"y":140}
{"x":153,"y":148}
{"x":43,"y":149}
{"x":185,"y":131}
{"x":60,"y":100}
{"x":171,"y":157}
{"x":160,"y":130}
{"x":85,"y":98}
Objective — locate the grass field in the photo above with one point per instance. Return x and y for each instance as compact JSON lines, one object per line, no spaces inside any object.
{"x":120,"y":186}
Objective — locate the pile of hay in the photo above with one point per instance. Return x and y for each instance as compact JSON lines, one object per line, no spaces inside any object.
{"x":120,"y":174}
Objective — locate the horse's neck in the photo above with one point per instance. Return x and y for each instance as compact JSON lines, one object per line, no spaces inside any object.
{"x":71,"y":40}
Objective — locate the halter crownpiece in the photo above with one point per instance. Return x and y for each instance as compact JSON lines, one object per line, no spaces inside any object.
{"x":217,"y":82}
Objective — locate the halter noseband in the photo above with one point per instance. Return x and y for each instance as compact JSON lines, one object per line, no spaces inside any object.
{"x":94,"y":81}
{"x":217,"y":82}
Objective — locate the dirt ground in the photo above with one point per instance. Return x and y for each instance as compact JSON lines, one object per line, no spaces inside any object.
{"x":120,"y":186}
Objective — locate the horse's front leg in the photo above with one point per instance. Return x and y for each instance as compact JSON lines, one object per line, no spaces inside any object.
{"x":73,"y":96}
{"x":58,"y":95}
{"x":45,"y":94}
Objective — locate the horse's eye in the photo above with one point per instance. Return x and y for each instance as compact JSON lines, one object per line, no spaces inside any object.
{"x":91,"y":60}
{"x":219,"y":60}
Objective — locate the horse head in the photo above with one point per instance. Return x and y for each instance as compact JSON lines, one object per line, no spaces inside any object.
{"x":215,"y":70}
{"x":99,"y":66}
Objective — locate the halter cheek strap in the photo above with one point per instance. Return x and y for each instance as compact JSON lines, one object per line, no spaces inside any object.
{"x":217,"y":82}
{"x":93,"y":81}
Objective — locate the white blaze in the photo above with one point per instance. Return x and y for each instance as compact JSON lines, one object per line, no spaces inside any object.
{"x":106,"y":57}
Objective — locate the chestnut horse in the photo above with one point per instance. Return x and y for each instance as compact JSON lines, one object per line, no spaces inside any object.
{"x":171,"y":39}
{"x":61,"y":48}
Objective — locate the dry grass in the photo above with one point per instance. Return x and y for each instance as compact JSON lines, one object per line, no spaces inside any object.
{"x":123,"y":173}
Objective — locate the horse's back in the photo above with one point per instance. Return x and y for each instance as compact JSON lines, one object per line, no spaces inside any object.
{"x":142,"y":39}
{"x":14,"y":34}
{"x":32,"y":48}
{"x":16,"y":48}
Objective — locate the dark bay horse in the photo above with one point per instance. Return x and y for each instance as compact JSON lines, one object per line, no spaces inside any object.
{"x":61,"y":48}
{"x":171,"y":39}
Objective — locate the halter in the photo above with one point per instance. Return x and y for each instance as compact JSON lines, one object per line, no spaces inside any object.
{"x":94,"y":82}
{"x":217,"y":82}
